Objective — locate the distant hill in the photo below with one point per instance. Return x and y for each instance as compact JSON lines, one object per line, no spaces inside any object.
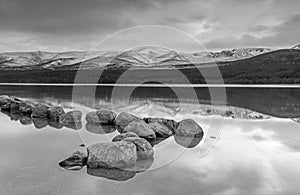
{"x":238,"y":66}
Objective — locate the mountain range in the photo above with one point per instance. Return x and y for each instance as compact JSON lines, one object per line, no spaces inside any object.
{"x":237,"y":66}
{"x":144,"y":57}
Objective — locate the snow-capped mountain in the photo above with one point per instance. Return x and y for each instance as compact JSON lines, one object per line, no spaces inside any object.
{"x":142,"y":57}
{"x":296,"y":47}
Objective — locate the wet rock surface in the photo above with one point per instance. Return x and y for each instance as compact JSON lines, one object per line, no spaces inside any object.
{"x":143,"y":147}
{"x":112,"y":154}
{"x":161,"y":130}
{"x":123,"y":119}
{"x":188,"y":133}
{"x":55,"y":112}
{"x":140,"y":128}
{"x":103,"y":117}
{"x":40,"y":110}
{"x":71,"y":119}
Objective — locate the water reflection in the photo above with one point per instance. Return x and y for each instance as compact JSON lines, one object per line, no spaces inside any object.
{"x":100,"y":129}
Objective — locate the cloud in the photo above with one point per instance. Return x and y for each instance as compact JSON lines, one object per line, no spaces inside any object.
{"x":285,"y":34}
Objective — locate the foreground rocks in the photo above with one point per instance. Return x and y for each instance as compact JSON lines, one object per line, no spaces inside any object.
{"x":40,"y":114}
{"x":124,"y":119}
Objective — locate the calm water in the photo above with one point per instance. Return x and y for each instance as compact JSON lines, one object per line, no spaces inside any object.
{"x":250,"y":157}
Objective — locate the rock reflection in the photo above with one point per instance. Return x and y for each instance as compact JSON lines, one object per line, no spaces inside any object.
{"x":121,"y":174}
{"x":100,"y":129}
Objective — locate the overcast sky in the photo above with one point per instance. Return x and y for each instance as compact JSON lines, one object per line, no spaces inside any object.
{"x":61,"y":25}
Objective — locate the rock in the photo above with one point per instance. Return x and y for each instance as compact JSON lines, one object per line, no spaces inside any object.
{"x":55,"y":124}
{"x":26,"y":107}
{"x":112,"y":173}
{"x":40,"y":123}
{"x":25,"y":120}
{"x":188,"y":133}
{"x":54,"y":113}
{"x":40,"y":110}
{"x":171,"y":124}
{"x":5,"y":102}
{"x":123,"y":119}
{"x":103,"y":117}
{"x":92,"y":117}
{"x":161,"y":130}
{"x":106,"y":116}
{"x":76,"y":161}
{"x":112,"y":155}
{"x":100,"y":129}
{"x":75,"y":126}
{"x":141,"y":129}
{"x":123,"y":136}
{"x":71,"y":119}
{"x":143,"y":147}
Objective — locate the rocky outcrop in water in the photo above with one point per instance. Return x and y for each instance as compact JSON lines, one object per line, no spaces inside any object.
{"x":40,"y":114}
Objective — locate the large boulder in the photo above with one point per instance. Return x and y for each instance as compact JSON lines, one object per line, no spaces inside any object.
{"x":188,"y":133}
{"x":143,"y":147}
{"x":40,"y":110}
{"x":100,"y":129}
{"x":169,"y":123}
{"x":140,"y":128}
{"x":161,"y":130}
{"x":40,"y":123}
{"x":5,"y":102}
{"x":54,"y":113}
{"x":123,"y":119}
{"x":71,"y":119}
{"x":112,"y":155}
{"x":123,"y":136}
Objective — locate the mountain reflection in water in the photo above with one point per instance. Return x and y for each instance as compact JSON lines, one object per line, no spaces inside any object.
{"x":250,"y":157}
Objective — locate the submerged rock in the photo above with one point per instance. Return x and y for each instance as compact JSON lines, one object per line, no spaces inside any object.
{"x":140,"y":128}
{"x":143,"y":147}
{"x":71,"y":119}
{"x":100,"y":129}
{"x":113,"y":154}
{"x":55,"y":112}
{"x":40,"y":110}
{"x":123,"y":136}
{"x":161,"y":130}
{"x":123,"y":119}
{"x":188,"y":133}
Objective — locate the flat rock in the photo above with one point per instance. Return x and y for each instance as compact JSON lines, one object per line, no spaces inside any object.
{"x":112,"y":155}
{"x":140,"y":128}
{"x":123,"y":119}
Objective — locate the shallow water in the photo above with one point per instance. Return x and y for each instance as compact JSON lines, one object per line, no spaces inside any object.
{"x":249,"y":157}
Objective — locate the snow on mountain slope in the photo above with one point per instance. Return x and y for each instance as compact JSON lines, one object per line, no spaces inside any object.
{"x":142,"y":57}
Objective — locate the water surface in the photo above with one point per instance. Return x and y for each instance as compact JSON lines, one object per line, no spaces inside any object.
{"x":250,"y":156}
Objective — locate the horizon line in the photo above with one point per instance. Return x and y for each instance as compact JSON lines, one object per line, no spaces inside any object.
{"x":156,"y":85}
